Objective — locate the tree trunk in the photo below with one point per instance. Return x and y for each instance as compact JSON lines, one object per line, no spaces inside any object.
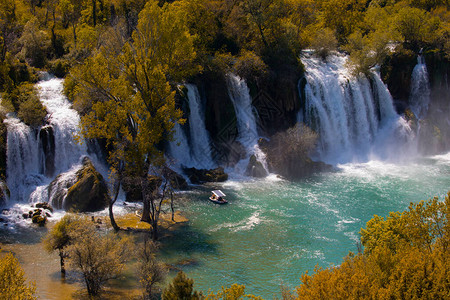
{"x":155,"y":230}
{"x":61,"y":260}
{"x":146,"y":211}
{"x":171,"y":206}
{"x":110,"y":207}
{"x":94,"y":12}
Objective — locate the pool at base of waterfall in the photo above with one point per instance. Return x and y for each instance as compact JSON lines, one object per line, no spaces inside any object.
{"x":273,"y":230}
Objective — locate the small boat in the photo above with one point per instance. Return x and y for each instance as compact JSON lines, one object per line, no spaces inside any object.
{"x":218,"y":197}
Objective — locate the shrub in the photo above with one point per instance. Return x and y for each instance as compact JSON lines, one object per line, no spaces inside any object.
{"x":32,"y":112}
{"x":99,"y":258}
{"x":150,"y":271}
{"x":181,"y":288}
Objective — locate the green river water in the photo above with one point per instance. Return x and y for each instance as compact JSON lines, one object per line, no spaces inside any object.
{"x":274,"y":230}
{"x":270,"y":233}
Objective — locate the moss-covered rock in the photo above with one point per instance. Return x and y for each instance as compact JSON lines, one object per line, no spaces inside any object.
{"x":38,"y":217}
{"x":47,"y":139}
{"x":86,"y":190}
{"x":176,"y":180}
{"x":89,"y":192}
{"x":396,"y":74}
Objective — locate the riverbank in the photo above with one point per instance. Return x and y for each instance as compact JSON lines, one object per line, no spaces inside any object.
{"x":43,"y":268}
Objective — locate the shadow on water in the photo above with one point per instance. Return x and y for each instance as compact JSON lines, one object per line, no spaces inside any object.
{"x":186,"y":242}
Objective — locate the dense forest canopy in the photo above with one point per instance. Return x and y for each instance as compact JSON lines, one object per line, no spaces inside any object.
{"x":125,"y":59}
{"x":248,"y":36}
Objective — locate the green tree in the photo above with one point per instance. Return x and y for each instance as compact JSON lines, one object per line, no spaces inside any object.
{"x":12,"y":280}
{"x":59,"y":238}
{"x":181,"y":287}
{"x":415,"y":26}
{"x":35,"y":43}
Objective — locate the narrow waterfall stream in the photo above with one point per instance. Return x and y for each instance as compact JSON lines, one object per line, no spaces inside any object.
{"x":420,"y":89}
{"x":246,"y":121}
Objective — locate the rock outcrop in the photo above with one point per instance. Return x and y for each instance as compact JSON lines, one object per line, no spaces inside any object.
{"x":198,"y":176}
{"x":255,"y":168}
{"x":85,"y":191}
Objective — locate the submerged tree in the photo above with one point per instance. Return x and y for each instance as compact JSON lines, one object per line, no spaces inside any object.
{"x":151,"y":272}
{"x":59,"y":238}
{"x":99,"y":257}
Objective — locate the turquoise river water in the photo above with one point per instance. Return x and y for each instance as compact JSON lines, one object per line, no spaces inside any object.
{"x":274,"y":230}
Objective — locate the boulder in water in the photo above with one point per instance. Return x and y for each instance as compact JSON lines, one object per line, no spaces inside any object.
{"x":202,"y":175}
{"x":39,"y":217}
{"x":85,"y":190}
{"x":89,"y":192}
{"x":255,"y":168}
{"x":44,"y":205}
{"x":176,"y":180}
{"x":57,"y":189}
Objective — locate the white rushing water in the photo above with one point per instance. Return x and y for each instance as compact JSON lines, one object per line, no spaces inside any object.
{"x":200,"y":141}
{"x":65,"y":122}
{"x":420,"y":89}
{"x":195,"y":152}
{"x":27,"y":173}
{"x":179,"y":148}
{"x":245,"y":117}
{"x":354,"y":117}
{"x":23,"y":160}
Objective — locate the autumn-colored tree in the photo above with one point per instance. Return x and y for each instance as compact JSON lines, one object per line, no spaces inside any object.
{"x":234,"y":292}
{"x":99,"y":257}
{"x":131,"y":104}
{"x":12,"y":280}
{"x":405,"y":257}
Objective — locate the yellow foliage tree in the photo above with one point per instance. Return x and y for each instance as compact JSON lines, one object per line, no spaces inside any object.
{"x":405,"y":257}
{"x":12,"y":280}
{"x":126,"y":87}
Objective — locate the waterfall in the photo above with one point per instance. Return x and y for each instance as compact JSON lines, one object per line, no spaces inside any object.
{"x":195,"y":152}
{"x":34,"y":156}
{"x":420,"y":89}
{"x":65,"y":122}
{"x":245,"y":117}
{"x":349,"y":113}
{"x":179,"y":147}
{"x":24,"y":162}
{"x":201,"y":144}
